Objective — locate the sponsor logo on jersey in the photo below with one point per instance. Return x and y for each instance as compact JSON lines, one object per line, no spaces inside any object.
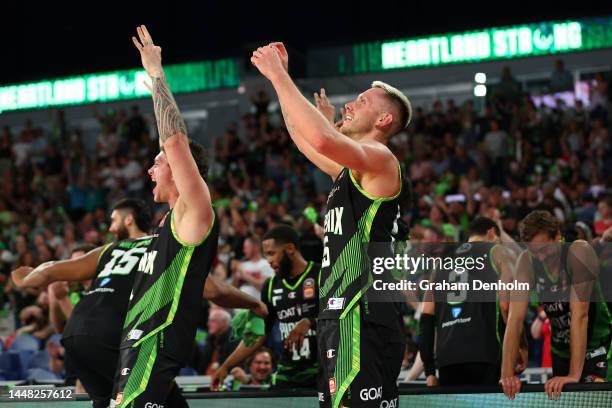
{"x":291,"y":295}
{"x":105,"y":281}
{"x":333,"y":221}
{"x":456,"y":311}
{"x":309,"y":290}
{"x":596,"y":353}
{"x":285,"y":313}
{"x":153,"y":405}
{"x":332,"y":385}
{"x":146,"y":262}
{"x":134,"y":334}
{"x":332,"y":192}
{"x":369,"y":394}
{"x":125,"y":371}
{"x":335,"y":303}
{"x":389,"y":403}
{"x":465,"y":247}
{"x":330,"y":353}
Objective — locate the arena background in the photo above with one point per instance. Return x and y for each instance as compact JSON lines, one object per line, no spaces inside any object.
{"x":72,"y":73}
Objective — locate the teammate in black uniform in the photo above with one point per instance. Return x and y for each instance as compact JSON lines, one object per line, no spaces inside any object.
{"x":292,"y":299}
{"x":160,"y":325}
{"x":91,"y":336}
{"x":93,"y":332}
{"x":360,"y":343}
{"x":564,"y":276}
{"x":468,"y":327}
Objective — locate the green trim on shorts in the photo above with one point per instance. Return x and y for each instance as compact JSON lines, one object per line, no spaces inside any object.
{"x":348,"y":360}
{"x":141,"y":372}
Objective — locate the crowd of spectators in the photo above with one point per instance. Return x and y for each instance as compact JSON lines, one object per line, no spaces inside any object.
{"x":513,"y":156}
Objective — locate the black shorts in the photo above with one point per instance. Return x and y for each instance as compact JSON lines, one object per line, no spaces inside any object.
{"x":595,"y":365}
{"x":360,"y":362}
{"x":94,"y":363}
{"x":144,"y":376}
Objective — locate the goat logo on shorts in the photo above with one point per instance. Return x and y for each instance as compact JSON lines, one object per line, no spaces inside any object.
{"x":332,"y":385}
{"x":309,"y":288}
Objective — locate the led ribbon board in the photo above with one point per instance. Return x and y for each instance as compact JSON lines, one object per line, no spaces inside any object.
{"x":117,"y":85}
{"x":489,"y":44}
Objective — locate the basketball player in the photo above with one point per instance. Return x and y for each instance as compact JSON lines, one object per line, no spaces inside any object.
{"x":466,"y":319}
{"x":360,"y":343}
{"x":292,"y":299}
{"x":160,"y":325}
{"x":93,"y":332}
{"x":563,"y":276}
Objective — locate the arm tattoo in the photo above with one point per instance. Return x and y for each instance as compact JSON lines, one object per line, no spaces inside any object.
{"x":167,"y":114}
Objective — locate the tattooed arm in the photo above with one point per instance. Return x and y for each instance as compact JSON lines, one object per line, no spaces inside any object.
{"x":167,"y":114}
{"x":193,"y":213}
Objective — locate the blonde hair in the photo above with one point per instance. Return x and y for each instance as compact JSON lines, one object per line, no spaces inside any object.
{"x":397,"y":95}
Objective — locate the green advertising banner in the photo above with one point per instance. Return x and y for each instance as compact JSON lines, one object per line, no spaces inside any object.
{"x":117,"y":85}
{"x":490,"y":44}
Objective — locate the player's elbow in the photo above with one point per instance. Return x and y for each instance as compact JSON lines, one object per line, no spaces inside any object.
{"x":321,"y":142}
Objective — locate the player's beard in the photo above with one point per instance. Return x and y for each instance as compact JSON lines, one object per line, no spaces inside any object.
{"x":285,"y":267}
{"x":122,"y":234}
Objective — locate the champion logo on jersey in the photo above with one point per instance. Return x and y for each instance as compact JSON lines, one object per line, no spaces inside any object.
{"x":330,"y":353}
{"x":335,"y":303}
{"x":105,"y":281}
{"x":456,"y":311}
{"x":125,"y":371}
{"x":308,"y":292}
{"x":291,"y":295}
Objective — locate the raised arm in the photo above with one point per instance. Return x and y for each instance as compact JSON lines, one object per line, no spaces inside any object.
{"x":326,"y":165}
{"x":315,"y":128}
{"x":78,"y":269}
{"x":173,"y":140}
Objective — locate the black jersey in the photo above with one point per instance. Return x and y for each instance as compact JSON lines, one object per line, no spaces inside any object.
{"x":101,"y":309}
{"x":288,"y":302}
{"x":168,"y":288}
{"x":553,"y":291}
{"x":469,"y":326}
{"x":353,"y":219}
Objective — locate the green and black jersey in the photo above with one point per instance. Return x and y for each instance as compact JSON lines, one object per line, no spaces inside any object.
{"x":290,"y":300}
{"x":355,"y":219}
{"x":550,"y":286}
{"x":469,"y":326}
{"x":167,"y":294}
{"x":101,"y":309}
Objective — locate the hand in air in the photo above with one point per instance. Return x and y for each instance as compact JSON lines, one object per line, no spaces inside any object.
{"x":322,"y":103}
{"x":268,"y":61}
{"x":150,"y":54}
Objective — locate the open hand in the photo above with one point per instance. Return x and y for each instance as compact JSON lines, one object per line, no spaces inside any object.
{"x":511,"y":386}
{"x":555,"y":385}
{"x":322,"y":103}
{"x":150,"y":54}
